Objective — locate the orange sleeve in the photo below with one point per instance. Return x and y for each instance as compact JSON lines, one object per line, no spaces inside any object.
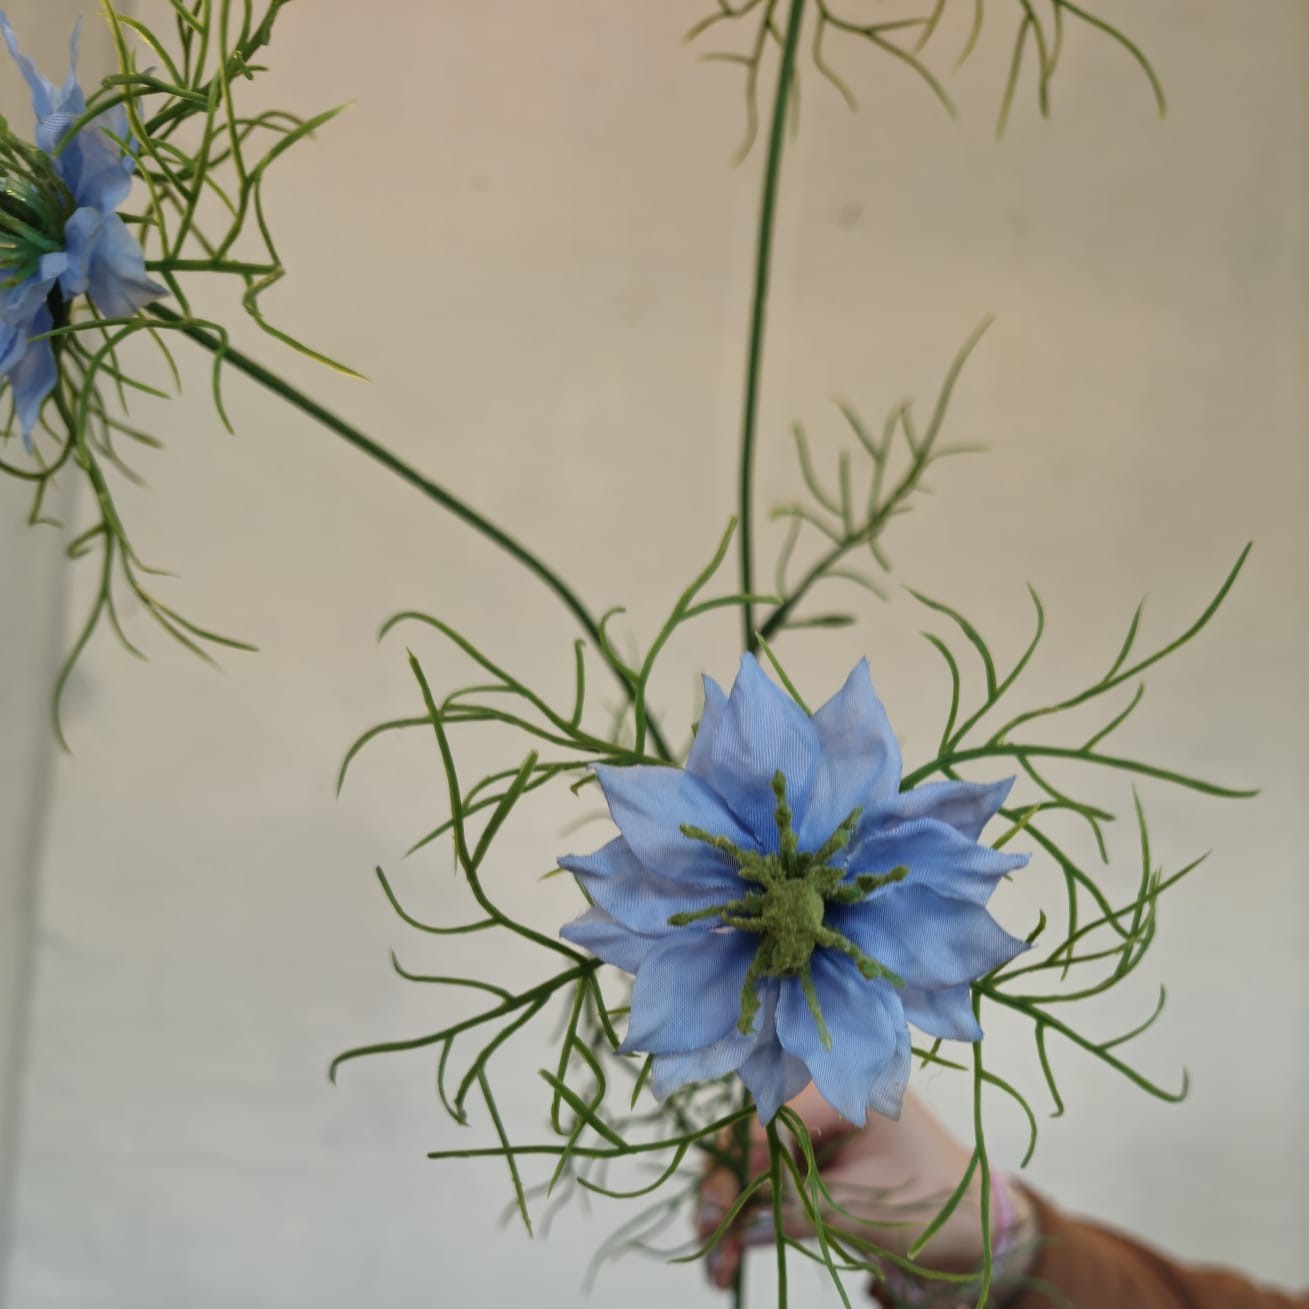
{"x":1085,"y":1266}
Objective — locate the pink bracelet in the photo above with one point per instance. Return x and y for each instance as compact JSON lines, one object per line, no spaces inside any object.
{"x":910,"y":1292}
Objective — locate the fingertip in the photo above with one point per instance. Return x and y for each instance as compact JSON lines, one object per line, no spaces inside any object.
{"x":723,"y":1261}
{"x":819,"y":1116}
{"x":708,"y":1216}
{"x":718,"y":1191}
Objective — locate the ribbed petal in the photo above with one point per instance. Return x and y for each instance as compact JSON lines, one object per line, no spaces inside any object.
{"x":760,"y":732}
{"x":82,"y":234}
{"x":725,"y":1056}
{"x":965,"y":806}
{"x":650,"y":806}
{"x":711,"y":717}
{"x":20,"y":305}
{"x":688,"y":991}
{"x":861,"y":758}
{"x":886,"y":1097}
{"x":863,"y":1019}
{"x":104,"y":259}
{"x":672,"y":1071}
{"x":94,"y":165}
{"x":608,"y":939}
{"x":644,"y":901}
{"x":118,"y":283}
{"x":32,"y":378}
{"x":773,"y":1077}
{"x":930,"y":940}
{"x":937,"y":857}
{"x":45,"y":96}
{"x":946,"y":1013}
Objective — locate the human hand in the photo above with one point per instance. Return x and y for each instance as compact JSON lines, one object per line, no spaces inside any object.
{"x":892,"y":1176}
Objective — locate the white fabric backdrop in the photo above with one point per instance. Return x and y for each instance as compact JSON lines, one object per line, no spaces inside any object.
{"x":527,"y":233}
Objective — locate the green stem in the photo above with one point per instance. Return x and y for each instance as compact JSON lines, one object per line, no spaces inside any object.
{"x":243,"y":363}
{"x":741,"y":1166}
{"x":759,"y":310}
{"x":778,"y":617}
{"x":956,"y":757}
{"x":209,"y":266}
{"x":775,"y":1148}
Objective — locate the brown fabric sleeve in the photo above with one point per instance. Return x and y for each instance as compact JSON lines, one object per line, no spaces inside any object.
{"x":1084,"y":1266}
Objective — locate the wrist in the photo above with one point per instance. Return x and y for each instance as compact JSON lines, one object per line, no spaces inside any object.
{"x":960,"y":1249}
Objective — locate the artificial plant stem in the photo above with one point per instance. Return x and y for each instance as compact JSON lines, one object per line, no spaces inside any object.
{"x":741,"y":1159}
{"x":448,"y":501}
{"x":759,"y":310}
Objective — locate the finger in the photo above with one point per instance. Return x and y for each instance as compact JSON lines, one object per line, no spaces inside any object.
{"x":760,"y":1229}
{"x":718,"y":1194}
{"x":824,"y":1124}
{"x":723,"y":1261}
{"x":760,"y":1226}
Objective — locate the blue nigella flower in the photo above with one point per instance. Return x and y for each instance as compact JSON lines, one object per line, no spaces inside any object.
{"x":786,"y":908}
{"x":60,"y":234}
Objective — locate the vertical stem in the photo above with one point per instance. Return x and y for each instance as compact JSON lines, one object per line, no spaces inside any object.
{"x":759,"y":309}
{"x":775,"y":1148}
{"x":741,"y":1154}
{"x":984,"y":1291}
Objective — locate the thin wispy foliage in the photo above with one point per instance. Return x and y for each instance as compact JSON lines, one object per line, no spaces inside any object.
{"x":621,"y":1119}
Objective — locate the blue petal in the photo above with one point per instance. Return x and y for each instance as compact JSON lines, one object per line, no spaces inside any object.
{"x":644,"y":901}
{"x":937,"y":857}
{"x":608,"y":939}
{"x":21,"y":305}
{"x":46,"y":99}
{"x":671,"y":1071}
{"x":861,"y":758}
{"x":965,"y":806}
{"x":760,"y":731}
{"x":886,"y":1095}
{"x":930,"y":940}
{"x":715,"y":704}
{"x":94,"y":165}
{"x":947,"y":1013}
{"x":119,"y":285}
{"x":688,"y":991}
{"x":104,"y":259}
{"x":863,"y":1020}
{"x":650,"y":805}
{"x":81,"y":237}
{"x":32,"y":376}
{"x":773,"y":1076}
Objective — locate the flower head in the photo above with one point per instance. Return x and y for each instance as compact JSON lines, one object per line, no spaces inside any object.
{"x":60,"y":234}
{"x":787,"y":910}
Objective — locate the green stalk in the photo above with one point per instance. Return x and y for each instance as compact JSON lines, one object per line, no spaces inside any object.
{"x":741,"y":1162}
{"x":243,"y":363}
{"x":759,"y":310}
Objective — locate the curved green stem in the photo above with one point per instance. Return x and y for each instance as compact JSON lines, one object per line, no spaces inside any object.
{"x":243,"y":363}
{"x":759,"y":309}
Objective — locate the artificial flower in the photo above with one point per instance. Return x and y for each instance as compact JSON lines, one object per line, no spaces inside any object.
{"x":60,"y":233}
{"x":786,"y":909}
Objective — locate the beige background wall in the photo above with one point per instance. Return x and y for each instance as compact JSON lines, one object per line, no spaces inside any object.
{"x":527,"y":233}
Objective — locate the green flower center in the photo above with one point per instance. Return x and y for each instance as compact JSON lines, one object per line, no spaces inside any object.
{"x":34,"y":207}
{"x":788,"y":912}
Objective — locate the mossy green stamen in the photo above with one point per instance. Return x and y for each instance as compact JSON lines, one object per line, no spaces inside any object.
{"x":788,"y":912}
